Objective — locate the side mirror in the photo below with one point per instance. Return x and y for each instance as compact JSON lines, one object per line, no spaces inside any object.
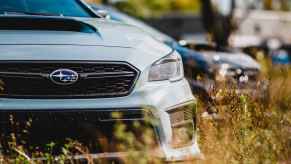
{"x":104,"y":14}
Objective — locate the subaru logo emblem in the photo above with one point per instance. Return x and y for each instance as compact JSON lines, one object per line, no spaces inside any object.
{"x":64,"y":77}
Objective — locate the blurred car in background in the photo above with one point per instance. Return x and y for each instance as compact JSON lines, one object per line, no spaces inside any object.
{"x":255,"y":31}
{"x":235,"y":71}
{"x":259,"y":25}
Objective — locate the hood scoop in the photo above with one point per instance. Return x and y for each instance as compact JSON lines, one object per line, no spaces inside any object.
{"x":44,"y":23}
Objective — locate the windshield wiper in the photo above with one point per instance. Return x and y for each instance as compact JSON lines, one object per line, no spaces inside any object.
{"x":28,"y":13}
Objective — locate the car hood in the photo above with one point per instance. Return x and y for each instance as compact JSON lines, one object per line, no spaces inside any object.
{"x":111,"y":42}
{"x":238,"y":59}
{"x":108,"y":33}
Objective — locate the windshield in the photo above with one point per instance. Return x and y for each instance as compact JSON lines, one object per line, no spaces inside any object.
{"x":71,"y":8}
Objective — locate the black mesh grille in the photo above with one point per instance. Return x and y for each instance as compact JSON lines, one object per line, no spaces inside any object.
{"x":100,"y":80}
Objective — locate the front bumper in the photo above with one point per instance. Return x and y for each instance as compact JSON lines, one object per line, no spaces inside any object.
{"x":158,"y":97}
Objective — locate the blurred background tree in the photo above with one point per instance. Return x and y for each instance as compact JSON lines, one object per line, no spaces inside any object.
{"x":145,"y":8}
{"x":217,"y":19}
{"x":268,"y":4}
{"x":192,"y":6}
{"x":283,"y":5}
{"x":156,"y":8}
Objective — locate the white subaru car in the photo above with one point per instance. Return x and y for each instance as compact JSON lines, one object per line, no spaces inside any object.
{"x":68,"y":72}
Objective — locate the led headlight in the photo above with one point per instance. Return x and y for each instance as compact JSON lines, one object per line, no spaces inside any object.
{"x":228,"y":72}
{"x":167,"y":68}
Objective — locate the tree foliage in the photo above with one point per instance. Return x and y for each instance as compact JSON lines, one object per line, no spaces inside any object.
{"x":283,"y":5}
{"x":150,"y":8}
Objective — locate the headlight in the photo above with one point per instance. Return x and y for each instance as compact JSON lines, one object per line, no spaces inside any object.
{"x":167,"y":68}
{"x":226,"y":71}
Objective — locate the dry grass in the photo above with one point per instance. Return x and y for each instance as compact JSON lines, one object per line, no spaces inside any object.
{"x":252,"y":132}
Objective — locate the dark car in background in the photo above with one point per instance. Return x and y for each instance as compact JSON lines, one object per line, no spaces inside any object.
{"x":235,"y":71}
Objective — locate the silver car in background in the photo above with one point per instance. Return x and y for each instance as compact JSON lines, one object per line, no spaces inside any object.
{"x":66,"y":69}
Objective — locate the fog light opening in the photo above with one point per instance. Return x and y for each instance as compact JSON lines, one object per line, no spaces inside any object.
{"x":183,"y":126}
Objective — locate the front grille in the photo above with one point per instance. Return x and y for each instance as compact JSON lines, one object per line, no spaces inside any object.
{"x":96,"y":79}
